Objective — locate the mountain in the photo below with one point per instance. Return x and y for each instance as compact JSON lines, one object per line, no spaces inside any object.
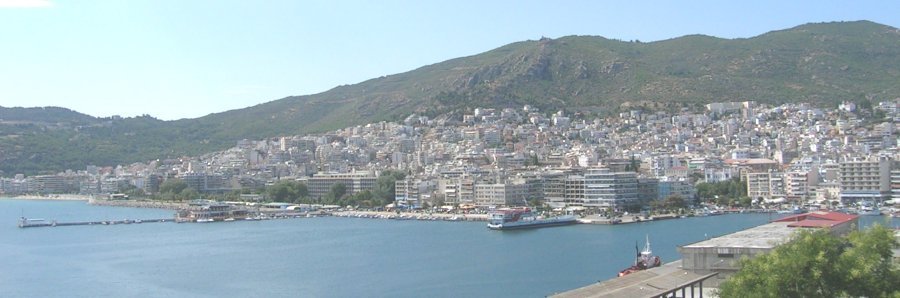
{"x":822,"y":63}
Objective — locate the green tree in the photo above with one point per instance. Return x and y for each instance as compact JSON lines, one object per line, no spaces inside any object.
{"x":335,"y":193}
{"x":173,"y":186}
{"x":674,"y":202}
{"x":385,"y":187}
{"x":818,"y":264}
{"x":727,"y":191}
{"x":188,"y":194}
{"x":287,"y":191}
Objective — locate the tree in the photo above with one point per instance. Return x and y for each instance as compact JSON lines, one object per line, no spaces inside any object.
{"x":188,"y":194}
{"x":819,"y":264}
{"x":335,"y":193}
{"x":173,"y":186}
{"x":287,"y":191}
{"x":633,"y":165}
{"x":726,"y":190}
{"x":385,"y":185}
{"x":674,"y":202}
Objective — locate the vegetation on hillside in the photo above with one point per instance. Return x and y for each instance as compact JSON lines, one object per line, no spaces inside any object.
{"x":818,"y":63}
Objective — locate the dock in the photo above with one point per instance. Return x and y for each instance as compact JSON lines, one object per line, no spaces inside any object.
{"x":37,"y":223}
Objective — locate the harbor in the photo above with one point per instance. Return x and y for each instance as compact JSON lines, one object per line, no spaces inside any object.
{"x":330,"y":249}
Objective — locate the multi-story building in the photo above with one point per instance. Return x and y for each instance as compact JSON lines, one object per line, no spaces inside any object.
{"x":412,"y":192}
{"x":680,"y":188}
{"x":321,"y":183}
{"x":48,"y":184}
{"x":648,"y":189}
{"x":895,"y":181}
{"x":501,"y":194}
{"x":406,"y":192}
{"x":606,"y":189}
{"x":206,"y":182}
{"x":13,"y":186}
{"x":865,"y":179}
{"x":554,"y":188}
{"x":764,"y":185}
{"x":797,"y":185}
{"x":574,"y":190}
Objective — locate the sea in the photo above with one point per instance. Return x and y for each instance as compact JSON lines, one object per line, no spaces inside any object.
{"x":323,"y":256}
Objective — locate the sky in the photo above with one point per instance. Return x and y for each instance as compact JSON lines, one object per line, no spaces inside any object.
{"x":174,"y":59}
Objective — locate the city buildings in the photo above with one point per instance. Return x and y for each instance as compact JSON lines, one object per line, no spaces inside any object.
{"x":500,"y":157}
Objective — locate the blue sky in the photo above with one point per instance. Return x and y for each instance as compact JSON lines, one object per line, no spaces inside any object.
{"x":176,"y":59}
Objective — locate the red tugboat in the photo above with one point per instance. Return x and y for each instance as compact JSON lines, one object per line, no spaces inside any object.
{"x":644,"y":260}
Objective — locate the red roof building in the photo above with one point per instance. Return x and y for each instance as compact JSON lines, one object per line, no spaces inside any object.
{"x":838,"y":222}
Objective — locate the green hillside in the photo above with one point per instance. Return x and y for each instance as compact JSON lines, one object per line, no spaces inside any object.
{"x":819,"y":63}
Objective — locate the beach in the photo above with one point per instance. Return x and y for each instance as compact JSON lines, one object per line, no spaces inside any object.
{"x":56,"y":197}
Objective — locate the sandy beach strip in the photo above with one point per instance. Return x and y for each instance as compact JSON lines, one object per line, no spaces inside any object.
{"x":65,"y":197}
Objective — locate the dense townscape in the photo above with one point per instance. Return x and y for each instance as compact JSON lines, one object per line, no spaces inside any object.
{"x":793,"y":154}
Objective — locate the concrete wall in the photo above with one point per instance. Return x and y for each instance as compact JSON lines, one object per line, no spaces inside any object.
{"x":724,"y":260}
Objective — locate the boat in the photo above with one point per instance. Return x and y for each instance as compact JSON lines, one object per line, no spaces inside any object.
{"x":229,"y":219}
{"x":202,"y":220}
{"x":644,"y":260}
{"x":868,"y":208}
{"x":524,"y":218}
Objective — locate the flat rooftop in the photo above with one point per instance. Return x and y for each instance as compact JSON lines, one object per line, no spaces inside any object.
{"x":765,"y":236}
{"x":646,"y":283}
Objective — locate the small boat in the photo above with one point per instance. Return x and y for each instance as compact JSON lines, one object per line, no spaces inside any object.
{"x":229,"y":219}
{"x":644,"y":260}
{"x":868,"y":208}
{"x":204,"y":220}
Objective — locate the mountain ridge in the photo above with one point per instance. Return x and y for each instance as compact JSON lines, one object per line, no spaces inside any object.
{"x":821,"y":63}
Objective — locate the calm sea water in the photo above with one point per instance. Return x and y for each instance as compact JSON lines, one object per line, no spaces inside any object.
{"x":319,"y":257}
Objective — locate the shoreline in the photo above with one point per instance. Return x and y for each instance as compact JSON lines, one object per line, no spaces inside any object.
{"x":139,"y":204}
{"x":52,"y":197}
{"x":411,"y":215}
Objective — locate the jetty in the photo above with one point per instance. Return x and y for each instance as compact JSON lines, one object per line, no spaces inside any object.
{"x":37,"y":222}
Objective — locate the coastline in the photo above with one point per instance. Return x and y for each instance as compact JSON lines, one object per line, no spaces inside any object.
{"x":412,"y":215}
{"x":138,"y":204}
{"x":62,"y":197}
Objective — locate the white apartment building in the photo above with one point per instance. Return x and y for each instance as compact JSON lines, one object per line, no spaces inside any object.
{"x":609,"y":190}
{"x":501,"y":194}
{"x":865,"y":179}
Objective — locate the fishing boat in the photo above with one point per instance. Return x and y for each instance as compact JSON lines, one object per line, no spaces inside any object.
{"x":524,"y":218}
{"x":644,"y":260}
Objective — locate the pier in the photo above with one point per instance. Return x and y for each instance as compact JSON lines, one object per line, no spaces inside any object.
{"x":37,"y":223}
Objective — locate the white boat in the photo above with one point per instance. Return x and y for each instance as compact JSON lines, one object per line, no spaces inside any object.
{"x":868,"y":208}
{"x":204,"y":220}
{"x":523,"y":218}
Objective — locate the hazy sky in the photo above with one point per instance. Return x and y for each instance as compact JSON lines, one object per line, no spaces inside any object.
{"x":185,"y":59}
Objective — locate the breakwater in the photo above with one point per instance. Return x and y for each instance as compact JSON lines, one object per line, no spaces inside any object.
{"x":37,"y":223}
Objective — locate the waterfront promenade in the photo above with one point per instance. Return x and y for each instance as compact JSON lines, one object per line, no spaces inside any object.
{"x":139,"y":204}
{"x":412,"y":215}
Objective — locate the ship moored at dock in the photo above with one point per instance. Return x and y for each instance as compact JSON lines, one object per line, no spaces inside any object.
{"x":524,"y":218}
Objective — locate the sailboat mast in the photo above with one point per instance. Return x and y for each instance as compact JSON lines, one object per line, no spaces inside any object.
{"x":647,"y":247}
